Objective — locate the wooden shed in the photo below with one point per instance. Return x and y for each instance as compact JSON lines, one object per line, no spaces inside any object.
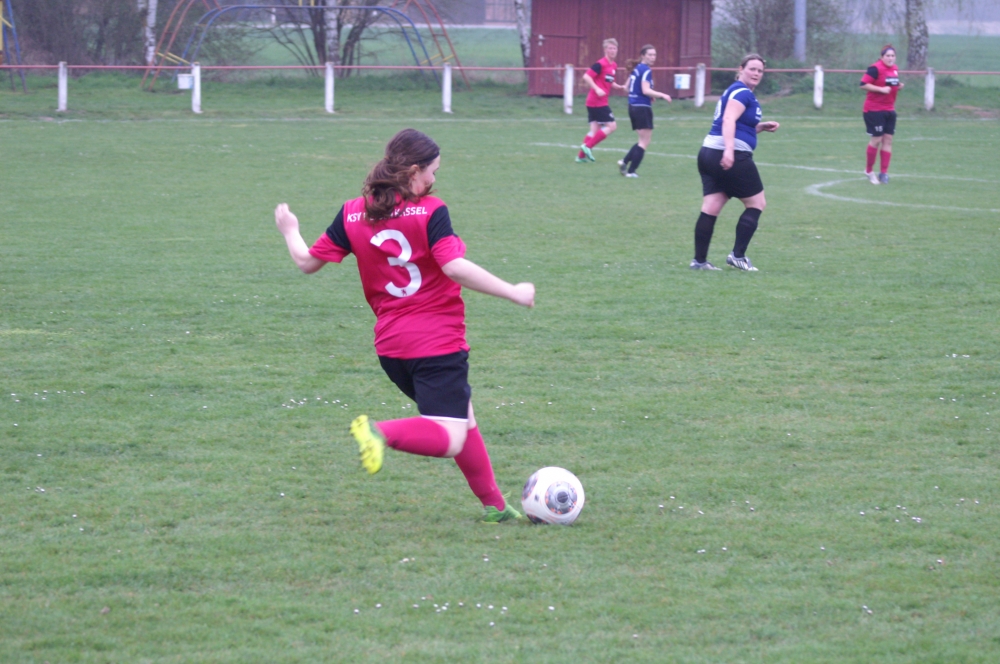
{"x":571,"y":31}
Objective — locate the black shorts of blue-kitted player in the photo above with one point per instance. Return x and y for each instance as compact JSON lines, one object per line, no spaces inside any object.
{"x":641,"y":117}
{"x":438,"y":384}
{"x":880,"y":122}
{"x":601,"y":114}
{"x":741,"y":181}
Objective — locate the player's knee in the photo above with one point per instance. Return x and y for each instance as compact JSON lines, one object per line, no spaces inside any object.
{"x":456,"y":441}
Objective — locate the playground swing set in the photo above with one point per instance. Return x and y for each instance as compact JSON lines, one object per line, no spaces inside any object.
{"x":10,"y":47}
{"x":398,"y":11}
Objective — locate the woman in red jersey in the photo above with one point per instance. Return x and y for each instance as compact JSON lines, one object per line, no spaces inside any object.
{"x":600,"y":79}
{"x":881,"y":81}
{"x":412,"y":269}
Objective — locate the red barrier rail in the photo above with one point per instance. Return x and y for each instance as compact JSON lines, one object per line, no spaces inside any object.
{"x":182,"y":68}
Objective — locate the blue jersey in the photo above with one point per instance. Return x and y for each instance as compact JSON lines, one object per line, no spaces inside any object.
{"x":639,"y":74}
{"x":746,"y":124}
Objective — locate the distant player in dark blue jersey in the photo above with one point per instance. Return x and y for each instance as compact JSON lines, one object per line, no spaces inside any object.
{"x":640,"y":107}
{"x":727,"y":169}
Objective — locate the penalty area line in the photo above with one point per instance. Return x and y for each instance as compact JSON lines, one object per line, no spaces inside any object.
{"x":817,"y":190}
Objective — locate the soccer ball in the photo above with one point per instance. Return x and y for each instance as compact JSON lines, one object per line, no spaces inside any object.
{"x":552,"y":495}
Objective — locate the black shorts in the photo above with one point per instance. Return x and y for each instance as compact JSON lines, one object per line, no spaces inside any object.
{"x":880,"y":122}
{"x":641,"y":117}
{"x":439,"y":384}
{"x":740,"y":181}
{"x":600,"y":114}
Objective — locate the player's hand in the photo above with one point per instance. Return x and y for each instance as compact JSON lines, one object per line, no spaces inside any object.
{"x":524,"y":294}
{"x":886,"y":90}
{"x":599,"y":92}
{"x":901,"y":84}
{"x":667,"y":98}
{"x":769,"y":126}
{"x":285,"y":220}
{"x":728,"y":157}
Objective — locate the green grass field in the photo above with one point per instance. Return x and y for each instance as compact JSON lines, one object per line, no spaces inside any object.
{"x":795,"y":465}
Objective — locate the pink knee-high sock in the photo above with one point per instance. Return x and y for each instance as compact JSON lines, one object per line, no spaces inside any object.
{"x":474,"y":462}
{"x":886,"y":156}
{"x":416,"y":435}
{"x":870,"y":158}
{"x":591,"y":141}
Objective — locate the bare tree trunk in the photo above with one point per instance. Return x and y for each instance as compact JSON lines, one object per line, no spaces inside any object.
{"x":360,"y":19}
{"x":317,"y":25}
{"x":332,"y":19}
{"x":916,"y":35}
{"x":148,"y":9}
{"x":522,"y":9}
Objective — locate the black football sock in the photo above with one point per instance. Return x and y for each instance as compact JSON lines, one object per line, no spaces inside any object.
{"x":639,"y":153}
{"x":745,"y":229}
{"x":703,"y":236}
{"x":631,"y":154}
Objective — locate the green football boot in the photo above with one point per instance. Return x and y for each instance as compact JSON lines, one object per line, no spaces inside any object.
{"x":371,"y":443}
{"x":493,"y":515}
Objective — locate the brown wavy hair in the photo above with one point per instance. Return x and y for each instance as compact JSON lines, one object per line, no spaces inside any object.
{"x":389,"y":180}
{"x":630,"y":63}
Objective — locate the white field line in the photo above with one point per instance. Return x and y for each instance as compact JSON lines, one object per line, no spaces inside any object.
{"x":792,"y":166}
{"x":817,"y":190}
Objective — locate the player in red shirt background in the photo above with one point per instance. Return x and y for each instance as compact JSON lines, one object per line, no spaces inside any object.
{"x":881,"y":81}
{"x":600,"y":78}
{"x":412,"y":269}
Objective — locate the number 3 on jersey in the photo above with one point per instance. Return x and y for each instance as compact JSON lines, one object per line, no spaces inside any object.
{"x":402,"y":261}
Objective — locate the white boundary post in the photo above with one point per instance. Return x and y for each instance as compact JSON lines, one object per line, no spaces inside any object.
{"x":818,"y":87}
{"x":446,"y":89}
{"x":329,"y":87}
{"x":929,"y":90}
{"x":568,"y":82}
{"x":196,"y":88}
{"x":63,"y":84}
{"x":699,"y":85}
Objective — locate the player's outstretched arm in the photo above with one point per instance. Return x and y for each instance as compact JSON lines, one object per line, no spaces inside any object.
{"x":469,"y":275}
{"x":648,"y":90}
{"x":288,"y":225}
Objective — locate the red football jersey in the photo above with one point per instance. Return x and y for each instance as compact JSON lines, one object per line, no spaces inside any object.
{"x":419,"y":311}
{"x":603,"y":79}
{"x":880,"y":75}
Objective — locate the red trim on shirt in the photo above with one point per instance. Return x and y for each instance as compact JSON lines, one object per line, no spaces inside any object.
{"x":325,"y":250}
{"x":448,"y":249}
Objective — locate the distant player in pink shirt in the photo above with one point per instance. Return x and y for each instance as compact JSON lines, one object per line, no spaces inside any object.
{"x":412,"y":269}
{"x":882,"y":84}
{"x":600,"y":79}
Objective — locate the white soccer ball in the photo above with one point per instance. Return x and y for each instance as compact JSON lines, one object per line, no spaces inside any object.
{"x":552,"y":495}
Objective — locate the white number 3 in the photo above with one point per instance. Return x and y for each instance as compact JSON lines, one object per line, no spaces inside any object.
{"x":402,"y":261}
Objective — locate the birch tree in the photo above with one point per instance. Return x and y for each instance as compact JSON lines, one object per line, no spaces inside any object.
{"x":522,"y":9}
{"x":147,"y":9}
{"x":916,"y":35}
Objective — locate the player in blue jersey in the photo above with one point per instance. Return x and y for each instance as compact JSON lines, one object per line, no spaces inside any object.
{"x":727,"y":169}
{"x":640,"y":107}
